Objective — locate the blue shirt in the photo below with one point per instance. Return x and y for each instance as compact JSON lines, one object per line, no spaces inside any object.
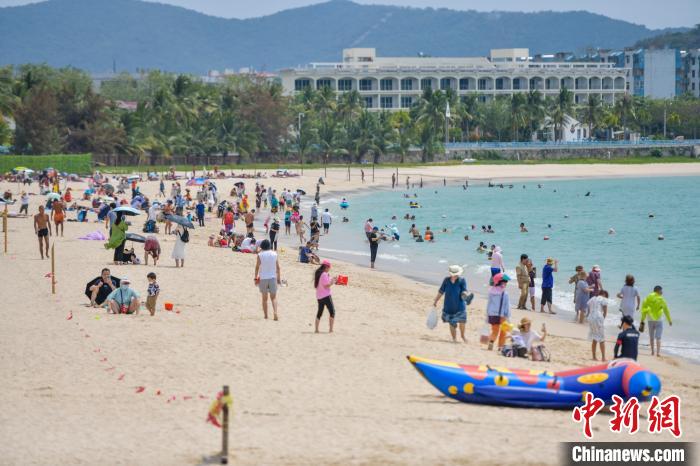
{"x":547,"y":276}
{"x":304,"y":254}
{"x":122,"y":296}
{"x":200,"y":210}
{"x":452,"y":294}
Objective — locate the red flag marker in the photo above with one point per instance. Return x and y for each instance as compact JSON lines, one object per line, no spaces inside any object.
{"x":103,"y":359}
{"x":70,"y":315}
{"x":140,"y":389}
{"x":121,"y":377}
{"x":186,"y":397}
{"x":158,"y":392}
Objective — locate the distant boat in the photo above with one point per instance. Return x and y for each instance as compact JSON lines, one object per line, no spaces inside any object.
{"x":468,"y":160}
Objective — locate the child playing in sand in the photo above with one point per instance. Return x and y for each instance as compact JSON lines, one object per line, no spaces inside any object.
{"x":153,"y":292}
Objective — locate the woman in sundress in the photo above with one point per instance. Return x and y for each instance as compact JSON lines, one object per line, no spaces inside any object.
{"x":596,"y":312}
{"x":179,"y":250}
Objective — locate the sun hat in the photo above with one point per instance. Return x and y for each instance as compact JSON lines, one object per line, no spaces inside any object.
{"x":550,"y":260}
{"x":455,"y":270}
{"x":500,"y":277}
{"x":326,"y":262}
{"x":125,"y":280}
{"x":596,"y":268}
{"x":524,"y":321}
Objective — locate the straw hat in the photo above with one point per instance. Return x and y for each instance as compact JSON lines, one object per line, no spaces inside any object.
{"x":455,"y":271}
{"x":524,"y":321}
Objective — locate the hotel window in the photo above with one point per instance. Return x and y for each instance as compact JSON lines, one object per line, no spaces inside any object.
{"x":345,"y":84}
{"x":407,"y":84}
{"x":365,"y":84}
{"x":516,"y":84}
{"x":426,"y":83}
{"x":386,"y":102}
{"x":301,"y":84}
{"x":464,"y":84}
{"x":445,"y":84}
{"x":368,"y":102}
{"x":499,"y":84}
{"x":407,"y":102}
{"x":386,"y":85}
{"x":482,"y":84}
{"x":321,"y":83}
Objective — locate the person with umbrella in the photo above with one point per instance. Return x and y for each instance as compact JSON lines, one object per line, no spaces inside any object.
{"x":117,"y":236}
{"x":182,"y":237}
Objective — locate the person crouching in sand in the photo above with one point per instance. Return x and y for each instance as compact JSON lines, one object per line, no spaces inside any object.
{"x":323,"y":283}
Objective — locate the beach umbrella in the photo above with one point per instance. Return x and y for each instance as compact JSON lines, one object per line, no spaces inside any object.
{"x":134,"y":177}
{"x":196,"y":182}
{"x":180,"y":220}
{"x":5,"y":201}
{"x":136,"y":238}
{"x":53,"y":196}
{"x":301,"y":191}
{"x":239,"y":184}
{"x":108,"y":188}
{"x":20,"y":169}
{"x":127,"y":209}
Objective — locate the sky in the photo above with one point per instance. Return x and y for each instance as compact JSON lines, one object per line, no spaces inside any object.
{"x":654,"y":14}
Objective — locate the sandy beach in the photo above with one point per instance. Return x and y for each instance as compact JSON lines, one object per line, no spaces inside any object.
{"x":71,"y":387}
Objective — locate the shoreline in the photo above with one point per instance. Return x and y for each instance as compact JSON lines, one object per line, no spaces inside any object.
{"x":353,"y":389}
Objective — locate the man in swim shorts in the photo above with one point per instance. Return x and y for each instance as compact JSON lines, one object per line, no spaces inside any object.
{"x":42,"y":228}
{"x":58,"y":214}
{"x":249,"y":219}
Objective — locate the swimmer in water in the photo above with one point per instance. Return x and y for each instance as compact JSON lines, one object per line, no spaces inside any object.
{"x":549,"y":225}
{"x":588,"y":194}
{"x":651,"y":215}
{"x":466,"y":237}
{"x":661,"y":237}
{"x":611,"y":231}
{"x":523,"y":229}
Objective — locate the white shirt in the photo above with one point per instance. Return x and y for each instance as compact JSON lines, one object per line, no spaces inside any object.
{"x":497,"y":261}
{"x":529,"y":338}
{"x":326,"y":217}
{"x":268,"y":265}
{"x":152,"y":213}
{"x":247,"y":244}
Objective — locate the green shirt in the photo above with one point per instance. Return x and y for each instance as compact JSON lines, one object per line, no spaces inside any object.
{"x":654,"y":306}
{"x":118,"y":235}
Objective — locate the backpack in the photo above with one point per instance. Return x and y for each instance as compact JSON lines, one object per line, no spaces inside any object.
{"x":185,"y":236}
{"x":539,"y":353}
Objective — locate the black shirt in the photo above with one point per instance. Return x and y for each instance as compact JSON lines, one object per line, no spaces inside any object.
{"x":627,"y":343}
{"x":104,"y":291}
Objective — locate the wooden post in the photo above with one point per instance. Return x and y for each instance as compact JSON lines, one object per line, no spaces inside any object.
{"x":348,"y":172}
{"x":53,"y":268}
{"x":4,"y":226}
{"x":224,"y":429}
{"x":372,"y":173}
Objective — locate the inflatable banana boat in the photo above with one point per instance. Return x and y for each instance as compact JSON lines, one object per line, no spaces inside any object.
{"x":536,"y":388}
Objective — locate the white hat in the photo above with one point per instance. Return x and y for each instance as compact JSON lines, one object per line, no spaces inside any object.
{"x":455,"y":270}
{"x":125,"y":280}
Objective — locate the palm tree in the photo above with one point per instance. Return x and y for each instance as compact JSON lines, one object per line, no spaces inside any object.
{"x":625,"y":110}
{"x":430,"y":115}
{"x":560,"y":108}
{"x":591,"y":113}
{"x":466,"y":112}
{"x":518,"y":114}
{"x":536,"y":111}
{"x":404,"y":133}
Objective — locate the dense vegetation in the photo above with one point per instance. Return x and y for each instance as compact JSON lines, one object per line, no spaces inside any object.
{"x":94,"y":34}
{"x":677,"y":40}
{"x":56,"y":110}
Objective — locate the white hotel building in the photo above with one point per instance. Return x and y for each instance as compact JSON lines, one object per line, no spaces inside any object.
{"x":397,"y":82}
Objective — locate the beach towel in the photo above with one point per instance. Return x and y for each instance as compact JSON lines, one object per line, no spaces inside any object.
{"x":94,"y":236}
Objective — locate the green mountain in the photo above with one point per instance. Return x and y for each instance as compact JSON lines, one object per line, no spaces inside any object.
{"x":94,"y":34}
{"x":682,"y":40}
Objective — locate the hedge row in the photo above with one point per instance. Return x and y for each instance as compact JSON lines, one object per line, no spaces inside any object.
{"x":70,"y":163}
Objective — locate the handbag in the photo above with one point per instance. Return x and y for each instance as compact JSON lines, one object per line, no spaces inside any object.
{"x":495,"y":320}
{"x":641,"y":327}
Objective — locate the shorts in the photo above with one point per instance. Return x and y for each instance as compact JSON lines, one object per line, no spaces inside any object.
{"x":228,"y":227}
{"x":151,"y":303}
{"x":656,"y":329}
{"x":495,"y":271}
{"x":546,"y":296}
{"x":43,"y":232}
{"x":288,"y":223}
{"x":268,"y":285}
{"x":326,"y":226}
{"x":249,"y":226}
{"x":58,"y":218}
{"x":532,"y":291}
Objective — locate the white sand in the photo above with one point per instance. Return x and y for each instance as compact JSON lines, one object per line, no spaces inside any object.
{"x":350,"y":397}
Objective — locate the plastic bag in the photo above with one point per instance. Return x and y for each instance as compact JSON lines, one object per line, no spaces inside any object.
{"x":485,"y":336}
{"x":432,"y":320}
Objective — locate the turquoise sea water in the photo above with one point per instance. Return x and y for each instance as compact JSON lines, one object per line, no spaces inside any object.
{"x":579,"y":234}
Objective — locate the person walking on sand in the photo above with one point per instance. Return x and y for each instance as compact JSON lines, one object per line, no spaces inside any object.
{"x":267,"y":276}
{"x":368,"y":228}
{"x":374,"y":238}
{"x":274,"y":232}
{"x":573,"y":280}
{"x":498,"y":310}
{"x":655,"y":307}
{"x":629,"y":296}
{"x":550,"y":266}
{"x":596,"y":313}
{"x":323,"y":283}
{"x":393,"y":180}
{"x":523,"y":277}
{"x":532,"y":273}
{"x":58,"y":214}
{"x":42,"y":229}
{"x":326,"y":219}
{"x":249,"y":221}
{"x":24,"y":206}
{"x":594,"y":280}
{"x":454,"y":308}
{"x":117,"y":238}
{"x":182,"y":237}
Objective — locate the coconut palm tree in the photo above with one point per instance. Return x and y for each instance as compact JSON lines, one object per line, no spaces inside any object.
{"x":560,"y":108}
{"x":591,"y":113}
